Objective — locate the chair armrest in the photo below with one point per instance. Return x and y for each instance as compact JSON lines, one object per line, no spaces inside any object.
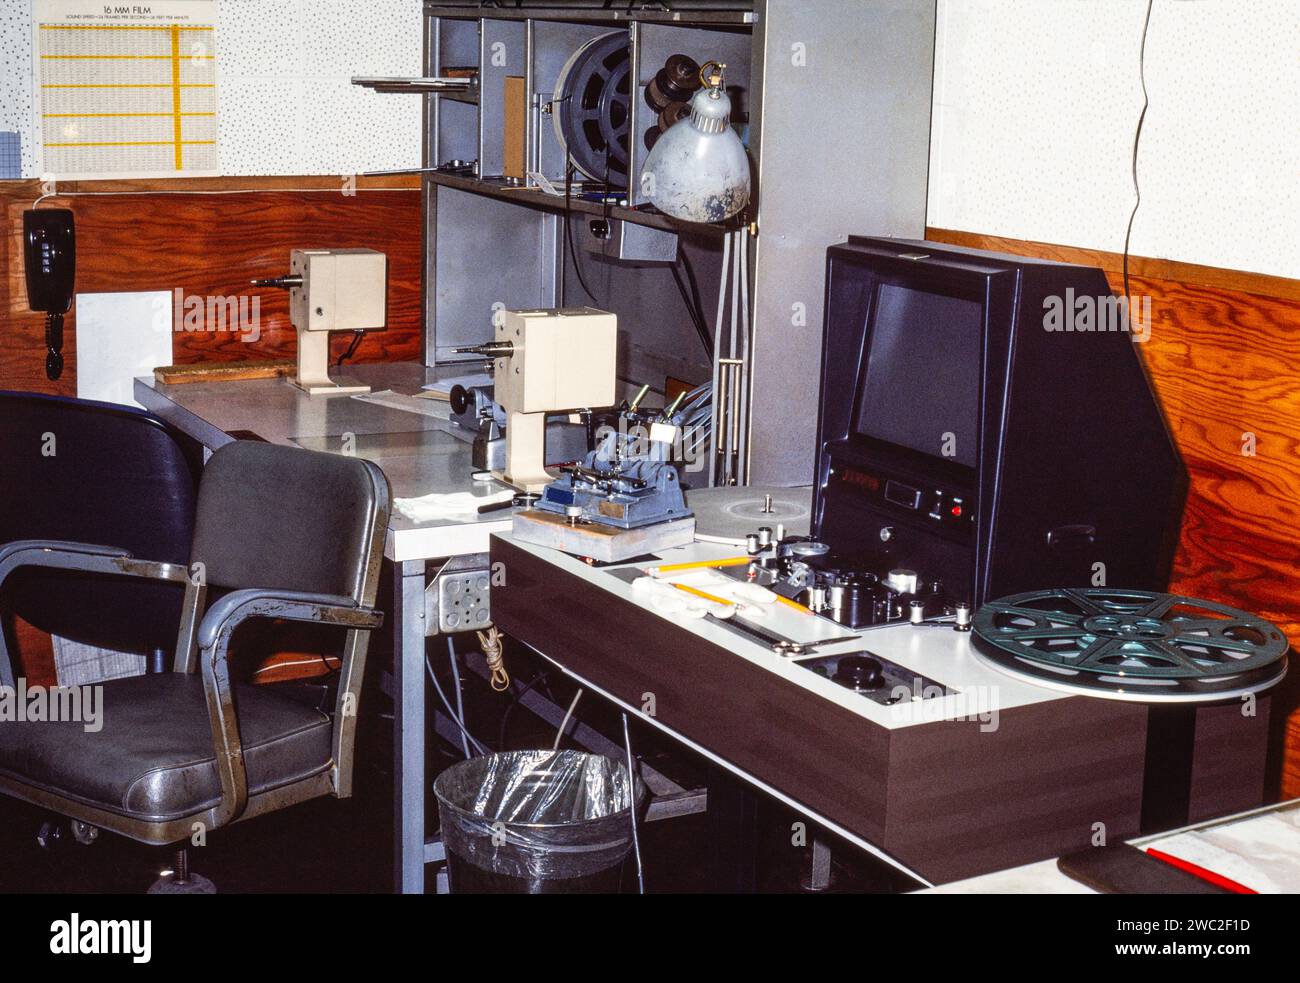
{"x":86,"y":557}
{"x":82,"y":557}
{"x":241,"y":605}
{"x":214,"y":633}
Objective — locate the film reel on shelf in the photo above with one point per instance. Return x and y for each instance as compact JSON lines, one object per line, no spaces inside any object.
{"x":593,"y":107}
{"x":1135,"y":645}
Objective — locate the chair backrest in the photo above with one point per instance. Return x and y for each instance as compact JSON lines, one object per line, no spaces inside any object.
{"x":93,"y":472}
{"x":290,"y":519}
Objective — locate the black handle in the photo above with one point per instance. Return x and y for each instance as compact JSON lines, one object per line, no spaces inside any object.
{"x":1068,"y":537}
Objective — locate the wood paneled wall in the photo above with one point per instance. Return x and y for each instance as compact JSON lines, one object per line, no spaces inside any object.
{"x":1224,"y":359}
{"x":210,"y":241}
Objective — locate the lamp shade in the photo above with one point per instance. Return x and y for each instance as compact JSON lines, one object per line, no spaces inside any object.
{"x":698,"y":170}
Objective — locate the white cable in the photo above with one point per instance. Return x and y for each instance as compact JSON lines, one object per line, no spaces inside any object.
{"x":746,"y":376}
{"x":460,"y":700}
{"x":717,"y":365}
{"x":565,"y":722}
{"x":733,"y":389}
{"x":631,"y":777}
{"x":450,"y":712}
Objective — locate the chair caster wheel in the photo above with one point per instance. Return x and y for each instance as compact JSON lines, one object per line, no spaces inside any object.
{"x":49,"y":836}
{"x":84,"y":833}
{"x":193,"y":884}
{"x":181,"y":880}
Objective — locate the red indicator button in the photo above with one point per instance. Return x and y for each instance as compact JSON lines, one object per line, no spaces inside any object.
{"x":956,"y":511}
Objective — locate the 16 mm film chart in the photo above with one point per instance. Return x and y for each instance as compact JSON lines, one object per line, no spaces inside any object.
{"x":128,"y":99}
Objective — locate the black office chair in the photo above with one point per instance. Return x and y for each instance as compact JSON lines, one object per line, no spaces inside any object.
{"x":290,"y":534}
{"x":89,"y":472}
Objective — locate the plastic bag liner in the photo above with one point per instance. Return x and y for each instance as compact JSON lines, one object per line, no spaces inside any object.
{"x":535,"y":822}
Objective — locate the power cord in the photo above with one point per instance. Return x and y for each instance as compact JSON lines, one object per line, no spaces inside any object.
{"x":352,"y":348}
{"x":1137,"y":139}
{"x":636,"y":836}
{"x":696,"y":318}
{"x":53,"y":345}
{"x":568,"y":715}
{"x":518,"y":698}
{"x":451,"y":712}
{"x":490,"y":642}
{"x":460,"y":697}
{"x":568,"y":232}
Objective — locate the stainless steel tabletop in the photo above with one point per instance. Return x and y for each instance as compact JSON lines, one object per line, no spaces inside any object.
{"x":416,"y":452}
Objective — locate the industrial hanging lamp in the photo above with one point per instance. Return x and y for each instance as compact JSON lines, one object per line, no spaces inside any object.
{"x":698,"y":170}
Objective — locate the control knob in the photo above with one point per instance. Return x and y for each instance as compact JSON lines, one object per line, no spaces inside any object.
{"x":860,"y":672}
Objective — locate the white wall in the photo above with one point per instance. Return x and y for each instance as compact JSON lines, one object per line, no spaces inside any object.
{"x":286,"y":104}
{"x":1036,"y":103}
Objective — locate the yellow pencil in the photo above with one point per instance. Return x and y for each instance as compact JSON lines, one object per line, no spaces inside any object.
{"x":731,"y":561}
{"x":793,"y":604}
{"x":707,"y":596}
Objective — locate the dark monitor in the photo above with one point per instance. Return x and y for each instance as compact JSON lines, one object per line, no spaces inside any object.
{"x":966,"y":436}
{"x":920,"y":386}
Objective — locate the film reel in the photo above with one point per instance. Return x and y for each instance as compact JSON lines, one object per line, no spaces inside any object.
{"x":728,"y":514}
{"x":593,"y":107}
{"x":1134,"y":645}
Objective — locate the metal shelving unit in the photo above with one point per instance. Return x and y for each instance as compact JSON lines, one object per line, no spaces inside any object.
{"x":837,"y":97}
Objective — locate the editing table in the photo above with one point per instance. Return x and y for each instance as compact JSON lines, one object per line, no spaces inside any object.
{"x":966,"y":771}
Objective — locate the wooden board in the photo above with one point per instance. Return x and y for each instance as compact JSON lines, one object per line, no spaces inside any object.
{"x":179,"y":375}
{"x":606,"y":544}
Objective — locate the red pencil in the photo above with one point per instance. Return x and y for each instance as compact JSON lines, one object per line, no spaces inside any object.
{"x":1201,"y":872}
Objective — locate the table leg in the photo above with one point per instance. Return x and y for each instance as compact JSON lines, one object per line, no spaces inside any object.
{"x":408,"y":724}
{"x":733,"y":825}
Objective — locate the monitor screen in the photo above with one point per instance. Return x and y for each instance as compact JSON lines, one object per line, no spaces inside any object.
{"x":922,"y":381}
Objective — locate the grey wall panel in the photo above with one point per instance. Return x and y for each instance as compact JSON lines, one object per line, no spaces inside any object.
{"x":655,"y":335}
{"x":841,"y":127}
{"x":487,"y":252}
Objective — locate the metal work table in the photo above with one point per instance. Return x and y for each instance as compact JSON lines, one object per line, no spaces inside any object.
{"x":419,"y":457}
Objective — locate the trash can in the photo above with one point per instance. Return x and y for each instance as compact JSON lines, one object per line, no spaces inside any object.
{"x":535,"y":822}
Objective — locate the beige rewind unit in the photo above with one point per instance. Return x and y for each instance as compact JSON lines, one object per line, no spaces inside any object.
{"x":548,"y":361}
{"x":333,"y":290}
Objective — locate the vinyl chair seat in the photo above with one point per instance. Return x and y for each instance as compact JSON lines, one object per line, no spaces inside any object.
{"x":153,"y":759}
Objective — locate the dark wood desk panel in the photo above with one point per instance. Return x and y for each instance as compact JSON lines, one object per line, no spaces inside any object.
{"x":944,"y":797}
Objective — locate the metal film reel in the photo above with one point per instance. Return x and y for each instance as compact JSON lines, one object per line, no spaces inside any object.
{"x":727,"y":514}
{"x":593,"y":107}
{"x":1131,"y":644}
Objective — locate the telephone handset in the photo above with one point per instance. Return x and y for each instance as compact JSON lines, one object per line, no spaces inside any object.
{"x":50,"y":260}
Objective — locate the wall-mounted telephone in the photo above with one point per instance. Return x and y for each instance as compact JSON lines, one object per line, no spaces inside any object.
{"x":50,"y":260}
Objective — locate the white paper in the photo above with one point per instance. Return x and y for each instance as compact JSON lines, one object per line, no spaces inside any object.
{"x":121,"y":336}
